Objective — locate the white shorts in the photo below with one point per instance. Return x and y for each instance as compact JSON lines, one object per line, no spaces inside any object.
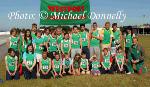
{"x":38,"y":57}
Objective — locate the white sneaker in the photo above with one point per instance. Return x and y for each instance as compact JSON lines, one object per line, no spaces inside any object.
{"x":129,"y":73}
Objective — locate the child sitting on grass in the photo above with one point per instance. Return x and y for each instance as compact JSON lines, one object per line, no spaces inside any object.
{"x":11,"y":65}
{"x":45,"y":66}
{"x":95,"y":70}
{"x":84,"y":66}
{"x":57,"y":66}
{"x":67,"y":65}
{"x":76,"y":64}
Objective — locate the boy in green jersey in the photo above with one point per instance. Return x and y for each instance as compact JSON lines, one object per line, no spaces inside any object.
{"x":11,"y":65}
{"x":85,"y":41}
{"x":45,"y":66}
{"x":76,"y":42}
{"x":46,"y":36}
{"x":67,"y":65}
{"x":106,"y":62}
{"x":136,"y":57}
{"x":94,"y":41}
{"x":57,"y":66}
{"x":29,"y":63}
{"x":106,"y":35}
{"x":52,"y":45}
{"x":84,"y":65}
{"x":66,"y":44}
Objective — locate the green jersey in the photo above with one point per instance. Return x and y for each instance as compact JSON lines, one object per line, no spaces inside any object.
{"x":67,"y":63}
{"x":76,"y":64}
{"x":52,"y":44}
{"x":84,"y":63}
{"x":57,"y":64}
{"x":26,"y":43}
{"x":14,"y":42}
{"x":120,"y":57}
{"x":38,"y":42}
{"x":59,"y":38}
{"x":128,"y":40}
{"x":65,"y":45}
{"x":76,"y":40}
{"x":95,"y":42}
{"x":107,"y":36}
{"x":11,"y":62}
{"x":84,"y":37}
{"x":45,"y":37}
{"x":33,"y":35}
{"x":29,"y":57}
{"x":116,"y":38}
{"x":136,"y":52}
{"x":45,"y":64}
{"x":95,"y":65}
{"x":106,"y":60}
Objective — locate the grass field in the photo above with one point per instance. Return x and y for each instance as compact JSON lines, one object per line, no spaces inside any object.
{"x":116,"y":80}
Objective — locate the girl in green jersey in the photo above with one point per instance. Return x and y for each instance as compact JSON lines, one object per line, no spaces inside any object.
{"x":57,"y":66}
{"x":76,"y":64}
{"x":29,"y":63}
{"x":11,"y":65}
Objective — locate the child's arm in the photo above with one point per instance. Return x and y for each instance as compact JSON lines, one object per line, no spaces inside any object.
{"x":16,"y":63}
{"x":33,"y":64}
{"x":117,"y":63}
{"x":60,"y":69}
{"x":64,"y":66}
{"x":61,"y":46}
{"x":87,"y":65}
{"x":49,"y":67}
{"x":7,"y":66}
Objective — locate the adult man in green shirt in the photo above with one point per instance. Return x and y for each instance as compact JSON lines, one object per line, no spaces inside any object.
{"x":76,"y":42}
{"x":85,"y":41}
{"x":94,"y":41}
{"x":136,"y":56}
{"x":106,"y":34}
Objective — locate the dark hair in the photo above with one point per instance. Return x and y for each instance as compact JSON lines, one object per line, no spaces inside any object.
{"x":10,"y":50}
{"x":105,"y":49}
{"x":13,"y":30}
{"x":82,"y":25}
{"x":25,"y":36}
{"x":79,"y":59}
{"x":94,"y":23}
{"x":56,"y":53}
{"x":45,"y":29}
{"x":114,"y":24}
{"x":32,"y":48}
{"x":34,"y":24}
{"x":75,"y":26}
{"x":39,"y":31}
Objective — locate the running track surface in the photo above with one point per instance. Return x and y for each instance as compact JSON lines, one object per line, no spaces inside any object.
{"x":3,"y":49}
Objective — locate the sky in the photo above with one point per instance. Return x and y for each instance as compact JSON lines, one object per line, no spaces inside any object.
{"x":134,"y":10}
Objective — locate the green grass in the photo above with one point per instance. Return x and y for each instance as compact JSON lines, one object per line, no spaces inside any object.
{"x":116,"y":80}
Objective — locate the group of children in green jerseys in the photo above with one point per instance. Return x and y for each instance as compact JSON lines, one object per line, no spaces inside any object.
{"x":54,"y":53}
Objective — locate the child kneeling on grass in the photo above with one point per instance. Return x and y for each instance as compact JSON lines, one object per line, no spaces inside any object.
{"x":84,"y":66}
{"x":76,"y":64}
{"x":11,"y":65}
{"x":107,"y":62}
{"x":45,"y":67}
{"x":95,"y":66}
{"x":67,"y":65}
{"x":57,"y":66}
{"x":120,"y":67}
{"x":29,"y":63}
